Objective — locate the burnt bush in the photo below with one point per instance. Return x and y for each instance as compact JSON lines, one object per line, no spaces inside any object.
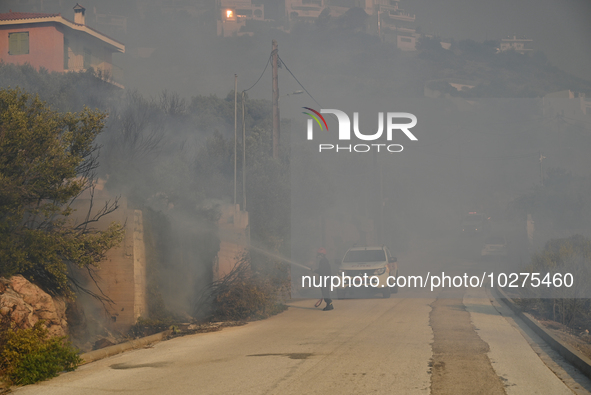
{"x":146,"y":327}
{"x":243,"y":294}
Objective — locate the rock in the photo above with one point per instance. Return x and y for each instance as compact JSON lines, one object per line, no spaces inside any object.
{"x":25,"y":304}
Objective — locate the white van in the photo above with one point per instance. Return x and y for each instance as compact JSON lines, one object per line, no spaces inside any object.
{"x":367,"y":263}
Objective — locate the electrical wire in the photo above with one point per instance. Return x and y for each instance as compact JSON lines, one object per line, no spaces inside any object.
{"x":265,"y":69}
{"x":294,"y":77}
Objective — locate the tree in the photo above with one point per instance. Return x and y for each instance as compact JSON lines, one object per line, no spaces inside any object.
{"x":47,"y":159}
{"x":324,"y":18}
{"x":354,"y":19}
{"x":65,"y":91}
{"x":429,"y":44}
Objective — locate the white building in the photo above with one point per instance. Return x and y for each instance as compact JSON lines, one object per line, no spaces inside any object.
{"x":233,"y":14}
{"x":516,"y":44}
{"x":304,"y":10}
{"x":395,"y":24}
{"x":386,"y":18}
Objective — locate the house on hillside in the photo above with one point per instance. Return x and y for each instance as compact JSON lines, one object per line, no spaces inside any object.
{"x":516,"y":44}
{"x":571,"y":107}
{"x":304,"y":10}
{"x":385,"y":18}
{"x":395,"y":24}
{"x":58,"y":44}
{"x":233,"y":15}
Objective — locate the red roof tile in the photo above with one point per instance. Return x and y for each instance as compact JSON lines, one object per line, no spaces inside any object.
{"x":13,"y":16}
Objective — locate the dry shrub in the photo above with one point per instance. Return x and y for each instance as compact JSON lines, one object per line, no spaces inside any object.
{"x":146,"y":327}
{"x":241,"y":295}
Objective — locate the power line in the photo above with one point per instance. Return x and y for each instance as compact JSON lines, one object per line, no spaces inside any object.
{"x":294,"y":77}
{"x":265,"y":69}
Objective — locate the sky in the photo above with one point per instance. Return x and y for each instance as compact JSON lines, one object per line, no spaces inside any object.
{"x":468,"y":155}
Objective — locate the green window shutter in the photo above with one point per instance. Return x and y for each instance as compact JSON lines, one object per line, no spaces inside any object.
{"x":24,"y":38}
{"x":18,"y":43}
{"x":13,"y":43}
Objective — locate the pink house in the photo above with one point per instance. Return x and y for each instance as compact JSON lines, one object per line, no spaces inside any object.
{"x":56,"y":43}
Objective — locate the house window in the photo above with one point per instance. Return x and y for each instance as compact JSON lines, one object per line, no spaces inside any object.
{"x":230,"y":15}
{"x":18,"y":43}
{"x":405,"y":39}
{"x":87,"y":58}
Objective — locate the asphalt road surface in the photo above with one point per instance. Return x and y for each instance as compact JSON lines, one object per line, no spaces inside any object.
{"x":460,"y":342}
{"x":365,"y":346}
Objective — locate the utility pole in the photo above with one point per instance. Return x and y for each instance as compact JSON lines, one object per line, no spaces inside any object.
{"x":243,"y":157}
{"x":235,"y":129}
{"x":276,"y":119}
{"x":541,"y":171}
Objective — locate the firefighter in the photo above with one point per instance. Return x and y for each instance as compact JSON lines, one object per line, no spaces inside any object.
{"x":324,"y":270}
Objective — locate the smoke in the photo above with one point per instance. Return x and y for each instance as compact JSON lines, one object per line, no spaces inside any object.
{"x":168,"y":146}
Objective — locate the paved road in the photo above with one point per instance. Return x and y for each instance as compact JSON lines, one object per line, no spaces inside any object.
{"x":461,"y":342}
{"x":378,"y":346}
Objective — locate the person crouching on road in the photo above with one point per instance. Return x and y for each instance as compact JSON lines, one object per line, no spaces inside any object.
{"x":324,"y":270}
